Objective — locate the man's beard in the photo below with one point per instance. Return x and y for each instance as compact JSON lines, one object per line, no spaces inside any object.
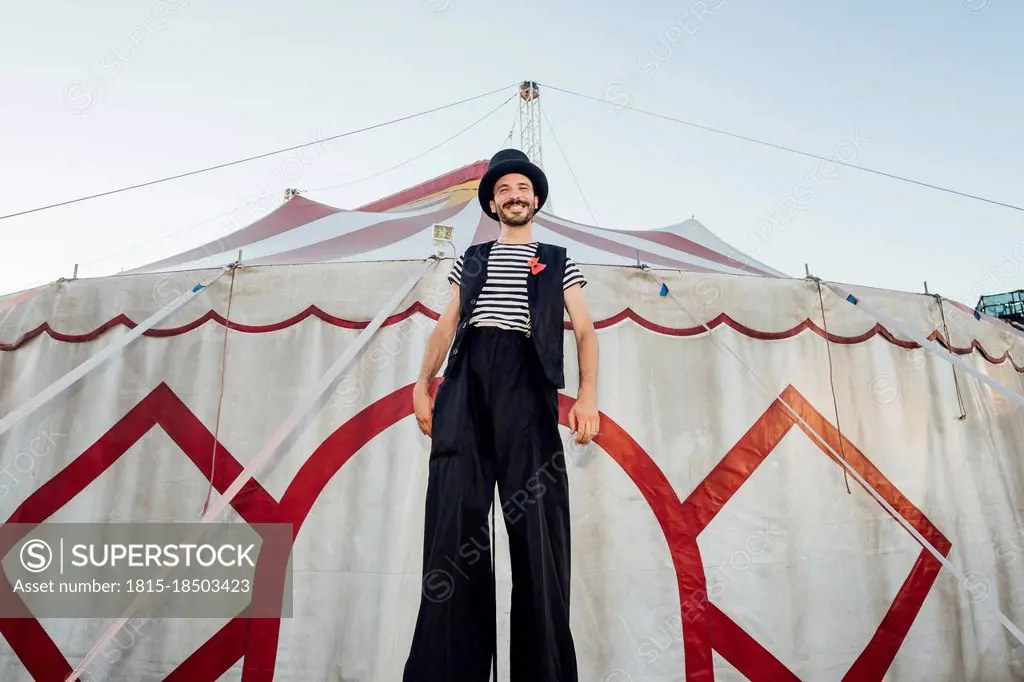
{"x":511,"y":219}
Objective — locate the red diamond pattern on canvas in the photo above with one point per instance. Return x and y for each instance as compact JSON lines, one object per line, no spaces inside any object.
{"x":705,"y":627}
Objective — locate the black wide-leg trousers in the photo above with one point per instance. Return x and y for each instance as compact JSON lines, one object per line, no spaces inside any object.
{"x":495,"y":422}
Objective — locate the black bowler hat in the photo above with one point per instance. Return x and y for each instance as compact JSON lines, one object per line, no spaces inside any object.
{"x":511,"y":161}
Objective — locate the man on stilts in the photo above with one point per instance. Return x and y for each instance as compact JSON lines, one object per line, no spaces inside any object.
{"x":495,"y":422}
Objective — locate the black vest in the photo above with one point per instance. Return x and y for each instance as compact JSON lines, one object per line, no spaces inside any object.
{"x":547,"y":305}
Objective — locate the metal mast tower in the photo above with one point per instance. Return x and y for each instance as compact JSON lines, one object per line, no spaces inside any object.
{"x":529,"y":121}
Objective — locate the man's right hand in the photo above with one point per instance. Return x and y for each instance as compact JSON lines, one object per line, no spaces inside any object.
{"x":423,"y":405}
{"x":438,"y":344}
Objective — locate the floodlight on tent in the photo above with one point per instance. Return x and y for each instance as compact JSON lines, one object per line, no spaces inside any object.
{"x":443,"y":234}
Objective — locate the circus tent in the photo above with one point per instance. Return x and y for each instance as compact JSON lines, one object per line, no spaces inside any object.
{"x":795,"y":479}
{"x":399,"y":227}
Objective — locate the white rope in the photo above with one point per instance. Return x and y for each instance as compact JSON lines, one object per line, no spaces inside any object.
{"x":932,"y":347}
{"x":66,"y":381}
{"x":989,"y":597}
{"x":283,"y":432}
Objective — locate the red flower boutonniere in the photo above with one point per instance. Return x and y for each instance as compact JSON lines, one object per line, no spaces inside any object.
{"x":535,"y":265}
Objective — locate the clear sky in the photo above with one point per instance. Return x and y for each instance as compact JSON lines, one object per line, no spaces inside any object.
{"x":95,"y":96}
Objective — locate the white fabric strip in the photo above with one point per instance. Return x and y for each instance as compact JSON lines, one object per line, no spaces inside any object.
{"x":933,"y":347}
{"x":98,"y":359}
{"x":990,"y":596}
{"x":314,"y":394}
{"x":266,"y":452}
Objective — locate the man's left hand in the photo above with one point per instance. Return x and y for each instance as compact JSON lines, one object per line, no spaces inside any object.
{"x":584,"y":420}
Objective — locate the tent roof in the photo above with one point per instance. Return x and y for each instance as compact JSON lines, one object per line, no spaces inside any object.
{"x":399,"y":227}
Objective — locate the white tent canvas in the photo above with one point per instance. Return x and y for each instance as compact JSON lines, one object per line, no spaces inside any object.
{"x":716,"y":535}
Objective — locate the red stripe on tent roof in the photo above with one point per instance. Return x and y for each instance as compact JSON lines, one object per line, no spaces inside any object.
{"x":296,"y":212}
{"x":674,"y":241}
{"x":474,"y":171}
{"x":363,"y":240}
{"x":618,"y":249}
{"x":677,"y":242}
{"x":486,"y":229}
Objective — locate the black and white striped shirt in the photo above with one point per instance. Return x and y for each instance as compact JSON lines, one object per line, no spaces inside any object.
{"x":503,"y":301}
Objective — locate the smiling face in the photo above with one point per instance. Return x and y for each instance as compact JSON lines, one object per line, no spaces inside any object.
{"x":514,"y":200}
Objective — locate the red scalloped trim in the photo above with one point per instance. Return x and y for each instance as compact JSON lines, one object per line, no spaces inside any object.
{"x":417,"y":307}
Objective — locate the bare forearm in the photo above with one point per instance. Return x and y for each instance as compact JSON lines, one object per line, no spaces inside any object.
{"x":437,"y":347}
{"x":586,"y":346}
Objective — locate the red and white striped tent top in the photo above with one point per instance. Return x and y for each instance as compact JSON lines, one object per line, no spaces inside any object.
{"x":399,"y":227}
